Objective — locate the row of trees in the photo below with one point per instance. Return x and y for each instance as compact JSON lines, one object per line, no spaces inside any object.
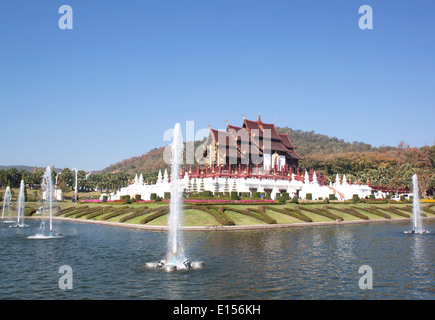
{"x":66,"y":178}
{"x":392,"y":168}
{"x":13,"y":177}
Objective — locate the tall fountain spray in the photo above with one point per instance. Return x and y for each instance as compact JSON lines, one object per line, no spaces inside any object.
{"x":75,"y":187}
{"x":47,"y":186}
{"x":175,"y":245}
{"x":175,"y":258}
{"x":46,"y":209}
{"x":21,"y":206}
{"x":416,"y":213}
{"x":417,"y":226}
{"x":7,"y":205}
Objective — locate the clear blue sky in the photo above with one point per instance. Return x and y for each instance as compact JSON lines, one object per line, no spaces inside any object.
{"x":129,"y":70}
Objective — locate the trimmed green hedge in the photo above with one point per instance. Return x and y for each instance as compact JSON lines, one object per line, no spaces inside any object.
{"x":397,"y":211}
{"x":96,"y":214}
{"x":375,"y":211}
{"x":428,"y":209}
{"x":161,"y":212}
{"x":254,"y":214}
{"x":87,"y":212}
{"x":322,"y":212}
{"x":292,"y":213}
{"x":261,"y":211}
{"x":138,"y":212}
{"x":75,"y":211}
{"x":116,"y":212}
{"x":219,"y":215}
{"x":353,"y":212}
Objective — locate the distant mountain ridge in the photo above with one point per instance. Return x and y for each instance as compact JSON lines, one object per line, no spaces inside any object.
{"x":307,"y":144}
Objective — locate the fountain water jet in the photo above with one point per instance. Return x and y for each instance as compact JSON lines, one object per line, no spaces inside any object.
{"x":416,"y":210}
{"x":175,"y":255}
{"x":47,"y":207}
{"x":175,"y":245}
{"x":7,"y":205}
{"x":21,"y":207}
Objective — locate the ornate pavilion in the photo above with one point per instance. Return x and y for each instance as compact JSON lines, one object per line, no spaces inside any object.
{"x":256,"y":147}
{"x":250,"y":158}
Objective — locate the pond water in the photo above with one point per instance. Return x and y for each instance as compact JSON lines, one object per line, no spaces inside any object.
{"x":319,"y":262}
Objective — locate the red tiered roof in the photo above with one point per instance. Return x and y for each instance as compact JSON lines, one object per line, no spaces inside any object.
{"x":255,"y":132}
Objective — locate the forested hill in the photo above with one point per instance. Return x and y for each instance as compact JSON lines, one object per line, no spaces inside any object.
{"x":307,"y":143}
{"x":150,"y":161}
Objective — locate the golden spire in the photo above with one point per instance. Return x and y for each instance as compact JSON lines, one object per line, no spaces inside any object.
{"x":259,"y":118}
{"x":243,"y":116}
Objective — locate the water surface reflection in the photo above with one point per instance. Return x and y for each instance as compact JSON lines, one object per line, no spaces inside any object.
{"x":319,"y":262}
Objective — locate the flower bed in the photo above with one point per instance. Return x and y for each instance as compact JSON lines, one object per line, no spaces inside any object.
{"x":209,"y":201}
{"x":122,"y":200}
{"x":212,"y":201}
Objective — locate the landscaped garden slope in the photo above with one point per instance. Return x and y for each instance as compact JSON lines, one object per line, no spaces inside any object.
{"x":237,"y":214}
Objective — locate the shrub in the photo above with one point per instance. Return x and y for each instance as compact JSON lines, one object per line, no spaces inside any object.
{"x":127,"y":199}
{"x":281,"y":199}
{"x":256,"y":195}
{"x":157,"y":199}
{"x":137,"y":197}
{"x":285,"y":195}
{"x":326,"y":200}
{"x":234,"y":195}
{"x":372,"y":197}
{"x":355,"y":198}
{"x":295,"y":200}
{"x":153,"y":196}
{"x":332,"y":197}
{"x":104,"y":198}
{"x":309,"y":196}
{"x":207,"y":194}
{"x":167,"y":195}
